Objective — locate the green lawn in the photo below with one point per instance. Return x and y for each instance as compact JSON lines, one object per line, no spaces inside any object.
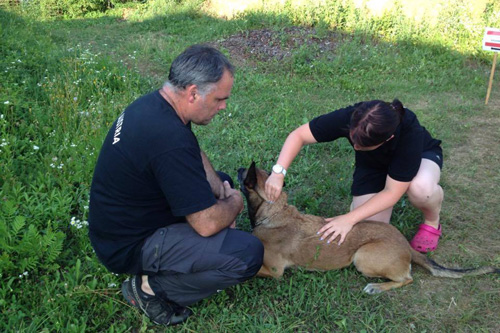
{"x":63,"y":82}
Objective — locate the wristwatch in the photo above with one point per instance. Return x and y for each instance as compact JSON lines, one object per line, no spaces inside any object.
{"x":279,"y":169}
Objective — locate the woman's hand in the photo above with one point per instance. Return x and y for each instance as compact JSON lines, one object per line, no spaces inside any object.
{"x":274,"y":185}
{"x":336,"y":226}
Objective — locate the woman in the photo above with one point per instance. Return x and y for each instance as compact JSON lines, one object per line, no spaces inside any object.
{"x":394,"y":155}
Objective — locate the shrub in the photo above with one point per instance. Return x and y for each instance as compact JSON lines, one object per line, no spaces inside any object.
{"x":64,"y":8}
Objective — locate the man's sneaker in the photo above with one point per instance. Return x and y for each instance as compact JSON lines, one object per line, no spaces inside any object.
{"x":161,"y":312}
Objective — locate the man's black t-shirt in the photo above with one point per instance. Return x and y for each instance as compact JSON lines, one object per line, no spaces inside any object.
{"x":400,"y":157}
{"x":149,"y":174}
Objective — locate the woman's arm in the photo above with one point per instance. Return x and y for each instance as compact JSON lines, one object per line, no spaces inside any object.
{"x":294,"y":142}
{"x":342,"y":224}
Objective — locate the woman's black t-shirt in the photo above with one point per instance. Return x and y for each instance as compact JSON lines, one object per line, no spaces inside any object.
{"x":399,"y":157}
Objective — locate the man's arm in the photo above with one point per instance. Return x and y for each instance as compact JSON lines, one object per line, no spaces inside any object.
{"x":219,"y":216}
{"x":212,"y":177}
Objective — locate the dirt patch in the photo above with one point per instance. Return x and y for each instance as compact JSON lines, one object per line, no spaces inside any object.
{"x":266,"y":45}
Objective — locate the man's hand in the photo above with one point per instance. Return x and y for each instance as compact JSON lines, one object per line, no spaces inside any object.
{"x":228,"y":192}
{"x":336,"y":226}
{"x":223,"y":214}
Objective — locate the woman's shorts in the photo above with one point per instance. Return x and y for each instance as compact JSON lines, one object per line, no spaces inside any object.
{"x":370,"y":180}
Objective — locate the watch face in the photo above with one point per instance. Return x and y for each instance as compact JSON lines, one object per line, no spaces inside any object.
{"x":277,"y":168}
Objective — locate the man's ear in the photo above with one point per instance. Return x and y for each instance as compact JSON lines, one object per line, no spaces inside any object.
{"x":192,"y":93}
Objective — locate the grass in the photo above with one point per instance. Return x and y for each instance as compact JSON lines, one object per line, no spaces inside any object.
{"x":64,"y":82}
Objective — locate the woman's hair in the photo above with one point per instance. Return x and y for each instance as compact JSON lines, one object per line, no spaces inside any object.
{"x":200,"y":65}
{"x":375,"y":121}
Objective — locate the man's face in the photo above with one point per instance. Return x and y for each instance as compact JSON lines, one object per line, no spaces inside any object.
{"x":209,"y":105}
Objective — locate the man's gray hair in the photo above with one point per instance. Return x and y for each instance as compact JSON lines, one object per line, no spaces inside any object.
{"x":200,"y":65}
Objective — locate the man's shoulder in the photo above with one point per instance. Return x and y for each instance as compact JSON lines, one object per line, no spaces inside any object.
{"x":152,"y":114}
{"x":152,"y":101}
{"x":149,"y":127}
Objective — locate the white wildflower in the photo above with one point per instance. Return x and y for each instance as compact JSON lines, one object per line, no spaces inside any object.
{"x":77,"y":223}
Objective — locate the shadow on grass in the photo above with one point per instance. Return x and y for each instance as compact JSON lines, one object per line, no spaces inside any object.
{"x":287,"y":75}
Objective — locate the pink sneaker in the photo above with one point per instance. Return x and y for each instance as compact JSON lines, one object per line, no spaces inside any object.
{"x":426,"y":239}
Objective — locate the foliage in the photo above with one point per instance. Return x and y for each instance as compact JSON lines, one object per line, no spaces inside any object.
{"x":62,"y":84}
{"x":50,"y":9}
{"x":456,"y":24}
{"x":56,"y":105}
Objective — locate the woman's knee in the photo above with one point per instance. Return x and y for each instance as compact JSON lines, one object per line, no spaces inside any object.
{"x":422,"y":191}
{"x":425,"y":185}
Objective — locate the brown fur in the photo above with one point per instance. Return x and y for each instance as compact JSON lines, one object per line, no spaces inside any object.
{"x":290,"y":239}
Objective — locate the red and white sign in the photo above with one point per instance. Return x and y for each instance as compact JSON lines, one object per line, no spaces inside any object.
{"x":491,"y":40}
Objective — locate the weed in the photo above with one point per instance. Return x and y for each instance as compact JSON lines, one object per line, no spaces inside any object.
{"x":64,"y":82}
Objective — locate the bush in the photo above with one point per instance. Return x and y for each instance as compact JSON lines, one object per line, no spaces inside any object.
{"x":47,"y":9}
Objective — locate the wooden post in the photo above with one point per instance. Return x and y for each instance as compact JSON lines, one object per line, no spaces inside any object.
{"x":491,"y":77}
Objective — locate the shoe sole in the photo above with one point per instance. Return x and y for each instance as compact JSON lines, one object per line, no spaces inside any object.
{"x":127,"y":295}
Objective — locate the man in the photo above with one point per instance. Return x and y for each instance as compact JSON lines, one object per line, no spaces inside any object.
{"x":158,"y":209}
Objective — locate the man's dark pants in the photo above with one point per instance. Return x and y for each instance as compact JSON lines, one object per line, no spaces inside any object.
{"x":184,"y":267}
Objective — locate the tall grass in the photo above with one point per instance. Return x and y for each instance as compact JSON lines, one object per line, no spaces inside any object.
{"x":56,"y":105}
{"x":454,"y":24}
{"x":62,"y":83}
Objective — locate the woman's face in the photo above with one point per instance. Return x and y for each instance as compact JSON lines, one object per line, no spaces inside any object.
{"x":361,"y":148}
{"x":370,"y":148}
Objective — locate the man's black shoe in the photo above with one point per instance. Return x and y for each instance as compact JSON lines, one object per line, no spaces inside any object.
{"x":160,"y":311}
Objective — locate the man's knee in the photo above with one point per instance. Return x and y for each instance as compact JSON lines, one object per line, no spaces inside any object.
{"x":256,"y":257}
{"x":248,"y":249}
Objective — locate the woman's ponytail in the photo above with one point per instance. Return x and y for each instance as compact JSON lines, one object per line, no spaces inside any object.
{"x":399,"y":108}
